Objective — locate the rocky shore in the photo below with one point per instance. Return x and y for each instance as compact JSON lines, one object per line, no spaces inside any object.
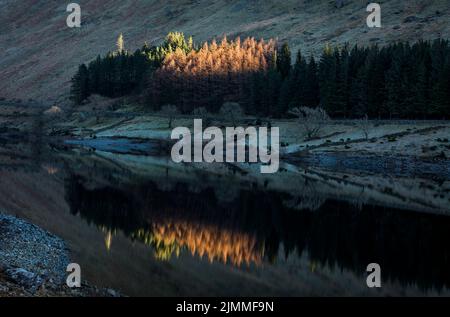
{"x":33,"y":262}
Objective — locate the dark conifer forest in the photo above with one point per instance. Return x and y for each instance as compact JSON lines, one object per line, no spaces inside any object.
{"x":398,"y":81}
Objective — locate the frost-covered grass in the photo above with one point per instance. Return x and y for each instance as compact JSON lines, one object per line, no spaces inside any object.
{"x":417,"y":138}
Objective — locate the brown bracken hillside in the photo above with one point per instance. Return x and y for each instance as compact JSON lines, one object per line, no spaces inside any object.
{"x":39,"y":53}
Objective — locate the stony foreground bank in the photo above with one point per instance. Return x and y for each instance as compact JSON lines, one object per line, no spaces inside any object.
{"x":33,"y":262}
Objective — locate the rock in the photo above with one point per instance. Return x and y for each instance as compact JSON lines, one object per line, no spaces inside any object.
{"x":54,"y":110}
{"x":33,"y":262}
{"x":339,"y":3}
{"x":22,"y":277}
{"x":410,"y":19}
{"x":19,"y":248}
{"x":112,"y":292}
{"x":82,"y":116}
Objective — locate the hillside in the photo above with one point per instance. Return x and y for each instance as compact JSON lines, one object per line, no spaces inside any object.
{"x":39,"y":53}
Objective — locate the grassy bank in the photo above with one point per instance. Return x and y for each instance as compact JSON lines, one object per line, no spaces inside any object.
{"x":421,"y":139}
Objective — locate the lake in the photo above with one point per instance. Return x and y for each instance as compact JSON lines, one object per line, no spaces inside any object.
{"x":146,"y":226}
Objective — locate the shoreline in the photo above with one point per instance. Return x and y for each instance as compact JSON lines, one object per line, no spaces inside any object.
{"x":383,"y":163}
{"x":33,"y":263}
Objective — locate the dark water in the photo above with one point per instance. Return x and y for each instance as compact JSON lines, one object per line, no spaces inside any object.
{"x":412,"y":248}
{"x":118,"y":145}
{"x":168,"y":232}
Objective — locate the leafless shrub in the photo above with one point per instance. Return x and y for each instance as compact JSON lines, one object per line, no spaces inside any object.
{"x":311,"y":119}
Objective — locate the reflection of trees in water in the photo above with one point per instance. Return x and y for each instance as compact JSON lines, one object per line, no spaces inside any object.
{"x":209,"y":241}
{"x":108,"y":208}
{"x":308,"y":198}
{"x":25,"y":154}
{"x":305,"y":202}
{"x":410,"y":247}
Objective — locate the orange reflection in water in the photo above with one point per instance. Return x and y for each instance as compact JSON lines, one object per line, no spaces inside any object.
{"x":217,"y":244}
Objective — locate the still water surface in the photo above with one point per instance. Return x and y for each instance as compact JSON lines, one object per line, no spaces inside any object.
{"x":144,"y":227}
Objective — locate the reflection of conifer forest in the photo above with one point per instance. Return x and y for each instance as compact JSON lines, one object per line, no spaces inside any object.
{"x":402,"y":80}
{"x":256,"y":225}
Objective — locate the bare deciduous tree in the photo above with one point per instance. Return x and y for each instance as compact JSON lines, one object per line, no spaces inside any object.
{"x":232,"y":111}
{"x":311,"y":119}
{"x":365,"y":126}
{"x":170,"y":111}
{"x":201,"y":113}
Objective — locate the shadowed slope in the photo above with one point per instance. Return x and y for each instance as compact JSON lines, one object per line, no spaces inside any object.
{"x":40,"y":53}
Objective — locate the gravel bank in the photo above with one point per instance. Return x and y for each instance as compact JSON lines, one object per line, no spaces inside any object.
{"x":33,"y":262}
